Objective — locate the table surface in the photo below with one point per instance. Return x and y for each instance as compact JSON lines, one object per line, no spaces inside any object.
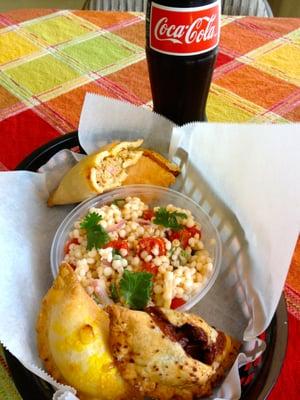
{"x":49,"y":59}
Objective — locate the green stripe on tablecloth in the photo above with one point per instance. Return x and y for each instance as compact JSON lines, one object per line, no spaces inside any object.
{"x":8,"y":390}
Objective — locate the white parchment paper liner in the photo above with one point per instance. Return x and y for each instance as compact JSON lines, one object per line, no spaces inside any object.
{"x":249,"y":169}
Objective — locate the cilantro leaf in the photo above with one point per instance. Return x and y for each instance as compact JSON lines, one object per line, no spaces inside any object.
{"x":169,"y":219}
{"x":114,"y":292}
{"x":135,"y":288}
{"x":96,"y":235}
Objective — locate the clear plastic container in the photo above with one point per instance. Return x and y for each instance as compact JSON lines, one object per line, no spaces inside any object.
{"x":153,"y":196}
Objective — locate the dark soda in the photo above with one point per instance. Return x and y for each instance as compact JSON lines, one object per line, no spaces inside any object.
{"x":182,"y":39}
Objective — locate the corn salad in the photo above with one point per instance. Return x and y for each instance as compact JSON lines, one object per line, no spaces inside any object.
{"x":177,"y":258}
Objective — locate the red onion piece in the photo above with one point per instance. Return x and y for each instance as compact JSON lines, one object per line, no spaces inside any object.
{"x":114,"y":227}
{"x":100,"y":290}
{"x":143,"y":221}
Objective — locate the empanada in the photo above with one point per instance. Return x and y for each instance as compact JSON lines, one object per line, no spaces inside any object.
{"x":97,"y":172}
{"x":166,"y":354}
{"x":72,"y":334}
{"x":116,"y":164}
{"x":152,"y":169}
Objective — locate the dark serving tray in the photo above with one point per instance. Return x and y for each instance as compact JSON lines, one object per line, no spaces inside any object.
{"x":257,"y":378}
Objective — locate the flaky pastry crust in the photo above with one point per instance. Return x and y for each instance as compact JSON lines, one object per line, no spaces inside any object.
{"x":72,"y":336}
{"x":156,"y":365}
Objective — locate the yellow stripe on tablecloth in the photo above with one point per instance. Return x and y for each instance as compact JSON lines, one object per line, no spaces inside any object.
{"x":284,"y":61}
{"x":269,"y":117}
{"x":90,"y":77}
{"x":227,"y":19}
{"x":294,"y":36}
{"x":21,"y":47}
{"x":56,"y":30}
{"x":8,"y":390}
{"x":225,"y":106}
{"x":280,"y":58}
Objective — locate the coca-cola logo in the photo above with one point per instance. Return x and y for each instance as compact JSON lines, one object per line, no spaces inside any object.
{"x":200,"y":29}
{"x":184,"y":31}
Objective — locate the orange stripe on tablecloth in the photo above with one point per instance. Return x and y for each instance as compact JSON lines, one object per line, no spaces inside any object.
{"x":235,"y":38}
{"x":293,"y":278}
{"x":63,"y":112}
{"x":257,"y":86}
{"x":25,"y":14}
{"x":55,"y":119}
{"x":228,"y":67}
{"x":293,"y":301}
{"x":294,"y":114}
{"x":133,"y":33}
{"x":288,"y":105}
{"x":272,"y":27}
{"x":109,"y":20}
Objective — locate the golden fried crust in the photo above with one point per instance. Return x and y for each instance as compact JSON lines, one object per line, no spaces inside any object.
{"x":157,"y":366}
{"x":149,"y":172}
{"x":152,"y":169}
{"x":72,"y":336}
{"x":162,"y":161}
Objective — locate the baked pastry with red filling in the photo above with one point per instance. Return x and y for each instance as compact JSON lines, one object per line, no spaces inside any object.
{"x":166,"y":354}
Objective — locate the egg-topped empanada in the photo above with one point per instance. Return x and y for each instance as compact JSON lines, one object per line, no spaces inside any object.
{"x":72,"y":334}
{"x":167,"y":354}
{"x":114,"y":165}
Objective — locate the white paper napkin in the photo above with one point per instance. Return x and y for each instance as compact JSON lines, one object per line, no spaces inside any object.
{"x":255,"y":170}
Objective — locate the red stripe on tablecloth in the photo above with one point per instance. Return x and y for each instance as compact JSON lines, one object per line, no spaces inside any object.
{"x":21,"y":134}
{"x":288,"y":383}
{"x":3,"y":167}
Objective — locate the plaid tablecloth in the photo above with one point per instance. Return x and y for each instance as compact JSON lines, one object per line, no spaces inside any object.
{"x":49,"y":59}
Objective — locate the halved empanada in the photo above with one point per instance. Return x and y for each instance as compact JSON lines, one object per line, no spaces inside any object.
{"x":116,"y":164}
{"x":97,"y":172}
{"x":166,"y":354}
{"x":72,"y":334}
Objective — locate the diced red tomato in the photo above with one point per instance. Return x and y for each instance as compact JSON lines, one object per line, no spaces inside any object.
{"x":117,"y":244}
{"x":177,"y":302}
{"x":68,"y":244}
{"x":193,"y":230}
{"x":147,"y":244}
{"x":150,"y":267}
{"x":148,"y":214}
{"x":184,"y":235}
{"x":172,"y":235}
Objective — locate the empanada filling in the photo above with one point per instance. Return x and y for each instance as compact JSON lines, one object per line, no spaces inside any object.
{"x":112,"y":169}
{"x":193,"y":339}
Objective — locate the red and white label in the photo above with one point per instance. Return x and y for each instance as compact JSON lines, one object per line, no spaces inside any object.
{"x":184,"y":31}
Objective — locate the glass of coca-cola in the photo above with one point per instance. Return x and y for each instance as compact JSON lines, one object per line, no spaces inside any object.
{"x":182,"y":38}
